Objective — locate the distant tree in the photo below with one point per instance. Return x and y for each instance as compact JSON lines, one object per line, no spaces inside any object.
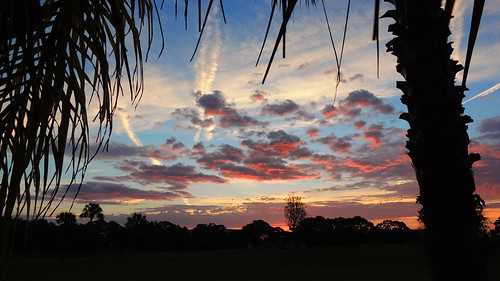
{"x":92,"y":210}
{"x":495,"y":232}
{"x":393,"y":232}
{"x":392,"y":225}
{"x":137,"y":228}
{"x":257,"y":233}
{"x":136,"y":221}
{"x":295,"y":211}
{"x":66,"y":219}
{"x":209,"y":236}
{"x":316,"y":231}
{"x":168,"y":236}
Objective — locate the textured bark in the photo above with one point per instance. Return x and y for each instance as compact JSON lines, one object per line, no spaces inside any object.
{"x":437,"y":139}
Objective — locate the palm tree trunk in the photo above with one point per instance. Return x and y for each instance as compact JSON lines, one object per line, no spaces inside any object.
{"x":437,"y":139}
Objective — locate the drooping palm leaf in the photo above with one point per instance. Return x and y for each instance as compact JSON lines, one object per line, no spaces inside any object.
{"x":58,"y":59}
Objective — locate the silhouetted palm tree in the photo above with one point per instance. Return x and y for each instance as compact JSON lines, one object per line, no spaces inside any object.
{"x":92,"y":210}
{"x":66,"y":219}
{"x":437,"y":138}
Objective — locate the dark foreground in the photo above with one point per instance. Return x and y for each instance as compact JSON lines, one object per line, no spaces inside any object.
{"x":356,"y":262}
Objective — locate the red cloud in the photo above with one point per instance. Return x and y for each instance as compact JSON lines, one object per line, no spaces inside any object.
{"x":313,"y":132}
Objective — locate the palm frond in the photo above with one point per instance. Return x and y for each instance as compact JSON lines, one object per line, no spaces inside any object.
{"x":477,"y":13}
{"x":55,"y":64}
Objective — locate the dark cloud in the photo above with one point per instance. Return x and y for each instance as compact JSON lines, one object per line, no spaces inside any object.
{"x":178,"y":176}
{"x":313,"y":132}
{"x":358,"y":125}
{"x":374,"y":133}
{"x":225,"y":153}
{"x":267,"y":169}
{"x":486,"y":172}
{"x":117,"y":150}
{"x":351,"y":107}
{"x":303,"y":115}
{"x":235,"y":119}
{"x":173,"y":145}
{"x":356,"y":76}
{"x":214,"y":104}
{"x":199,"y":147}
{"x":342,"y":144}
{"x":365,"y":98}
{"x":280,"y":109}
{"x":280,"y":143}
{"x":259,"y":95}
{"x":115,"y":193}
{"x":490,"y":128}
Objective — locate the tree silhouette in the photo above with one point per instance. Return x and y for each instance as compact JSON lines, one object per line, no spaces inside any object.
{"x":295,"y":211}
{"x":209,"y":236}
{"x":92,"y":210}
{"x":257,"y":233}
{"x":66,"y":219}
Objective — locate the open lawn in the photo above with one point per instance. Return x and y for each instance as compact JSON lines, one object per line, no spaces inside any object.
{"x":357,"y":262}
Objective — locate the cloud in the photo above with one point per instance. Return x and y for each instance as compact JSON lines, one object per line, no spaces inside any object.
{"x":351,"y":107}
{"x":306,"y":67}
{"x":342,"y":144}
{"x":280,"y":143}
{"x":259,"y":95}
{"x":235,"y":119}
{"x":365,"y":98}
{"x":356,"y":76}
{"x":173,"y":145}
{"x":313,"y":132}
{"x":267,"y":169}
{"x":280,"y":109}
{"x":358,"y":125}
{"x":490,"y":128}
{"x":115,"y":193}
{"x":225,"y":153}
{"x":178,"y":176}
{"x":374,"y":133}
{"x":214,"y":104}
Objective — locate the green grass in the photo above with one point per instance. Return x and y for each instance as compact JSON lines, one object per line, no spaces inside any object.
{"x":359,"y":262}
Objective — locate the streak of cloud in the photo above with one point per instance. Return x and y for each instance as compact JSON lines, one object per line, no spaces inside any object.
{"x":485,"y":93}
{"x":131,"y":134}
{"x":207,"y":64}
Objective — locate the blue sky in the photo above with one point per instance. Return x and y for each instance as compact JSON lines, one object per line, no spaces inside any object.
{"x":209,"y":143}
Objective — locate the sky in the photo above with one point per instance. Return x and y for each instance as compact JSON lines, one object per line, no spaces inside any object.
{"x":209,"y":143}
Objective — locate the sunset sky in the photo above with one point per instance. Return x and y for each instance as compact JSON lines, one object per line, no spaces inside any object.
{"x":209,"y":142}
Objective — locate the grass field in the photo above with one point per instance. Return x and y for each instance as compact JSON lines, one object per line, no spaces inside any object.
{"x":356,"y":263}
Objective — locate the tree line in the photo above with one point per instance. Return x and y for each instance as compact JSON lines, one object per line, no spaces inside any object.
{"x":67,"y":236}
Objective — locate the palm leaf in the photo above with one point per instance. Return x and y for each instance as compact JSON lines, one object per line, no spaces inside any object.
{"x":54,"y":64}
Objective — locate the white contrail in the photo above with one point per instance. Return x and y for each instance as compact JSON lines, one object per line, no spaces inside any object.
{"x":207,"y":64}
{"x":485,"y":93}
{"x":131,"y":134}
{"x":126,"y":125}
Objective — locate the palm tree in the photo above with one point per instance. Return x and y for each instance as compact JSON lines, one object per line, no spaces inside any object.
{"x":92,"y":210}
{"x":66,"y":219}
{"x":57,"y":59}
{"x":437,"y":138}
